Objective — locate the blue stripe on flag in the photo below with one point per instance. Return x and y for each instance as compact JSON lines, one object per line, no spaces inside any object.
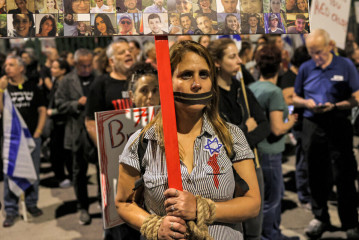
{"x":23,"y":183}
{"x":14,"y":142}
{"x":27,"y":133}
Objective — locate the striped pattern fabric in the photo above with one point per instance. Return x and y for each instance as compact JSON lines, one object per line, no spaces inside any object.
{"x":212,"y":175}
{"x":17,"y":147}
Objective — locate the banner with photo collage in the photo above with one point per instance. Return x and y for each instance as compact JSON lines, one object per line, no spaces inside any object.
{"x":72,"y":18}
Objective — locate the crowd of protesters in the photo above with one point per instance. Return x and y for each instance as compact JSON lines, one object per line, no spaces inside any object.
{"x":258,"y":85}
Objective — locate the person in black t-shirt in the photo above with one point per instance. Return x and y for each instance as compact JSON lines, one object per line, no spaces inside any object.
{"x":233,"y":109}
{"x":71,"y":98}
{"x":30,"y":103}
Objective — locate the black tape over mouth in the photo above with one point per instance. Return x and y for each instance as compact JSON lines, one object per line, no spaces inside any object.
{"x":193,"y":99}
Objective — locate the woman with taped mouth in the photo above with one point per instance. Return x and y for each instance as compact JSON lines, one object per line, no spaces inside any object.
{"x":209,"y":148}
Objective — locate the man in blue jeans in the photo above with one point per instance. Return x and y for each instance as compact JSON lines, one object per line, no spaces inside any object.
{"x":30,"y":103}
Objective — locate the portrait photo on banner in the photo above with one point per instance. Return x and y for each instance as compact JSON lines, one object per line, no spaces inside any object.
{"x":49,"y":25}
{"x":103,"y":24}
{"x":229,"y":23}
{"x":129,"y":23}
{"x":274,"y":23}
{"x":49,"y":6}
{"x":155,"y":23}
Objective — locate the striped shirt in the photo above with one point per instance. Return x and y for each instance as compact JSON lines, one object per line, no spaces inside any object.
{"x":211,"y":177}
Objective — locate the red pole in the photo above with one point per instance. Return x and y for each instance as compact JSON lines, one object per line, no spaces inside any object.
{"x":168,"y":113}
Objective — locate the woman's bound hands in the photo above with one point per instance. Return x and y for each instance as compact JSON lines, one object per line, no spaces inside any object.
{"x":172,"y":228}
{"x":181,"y":204}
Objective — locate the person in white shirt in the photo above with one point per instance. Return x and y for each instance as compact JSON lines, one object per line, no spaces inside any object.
{"x":100,"y":7}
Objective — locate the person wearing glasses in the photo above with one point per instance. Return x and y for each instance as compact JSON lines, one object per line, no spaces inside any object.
{"x":77,"y":6}
{"x":100,"y":7}
{"x":126,"y":26}
{"x":23,"y":25}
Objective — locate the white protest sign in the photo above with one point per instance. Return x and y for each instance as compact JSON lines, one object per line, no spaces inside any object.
{"x":114,"y":128}
{"x":332,"y":16}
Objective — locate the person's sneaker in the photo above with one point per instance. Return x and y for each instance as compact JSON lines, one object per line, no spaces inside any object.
{"x":353,"y":233}
{"x":35,"y":211}
{"x":9,"y":220}
{"x":85,"y":217}
{"x":316,"y":228}
{"x":65,"y":183}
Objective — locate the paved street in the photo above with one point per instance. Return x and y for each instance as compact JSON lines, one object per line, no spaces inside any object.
{"x":60,"y":220}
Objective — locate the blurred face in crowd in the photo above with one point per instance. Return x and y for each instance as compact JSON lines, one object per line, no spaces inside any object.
{"x":70,"y":59}
{"x":130,"y":4}
{"x":230,"y":62}
{"x":279,"y":43}
{"x":84,"y":65}
{"x":26,"y":58}
{"x":155,"y":25}
{"x":81,"y":6}
{"x":122,"y":58}
{"x":318,"y":49}
{"x":191,"y":75}
{"x":251,"y":6}
{"x":56,"y":71}
{"x":22,"y":24}
{"x":275,"y":6}
{"x":13,"y":68}
{"x":299,"y":24}
{"x":147,"y":91}
{"x":204,"y":24}
{"x":205,"y":4}
{"x":205,"y":40}
{"x":134,"y":50}
{"x":232,"y":23}
{"x":229,"y":6}
{"x":183,"y":6}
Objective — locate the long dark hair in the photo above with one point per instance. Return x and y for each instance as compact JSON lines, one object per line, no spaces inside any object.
{"x":44,"y":19}
{"x":109,"y":28}
{"x":63,"y":65}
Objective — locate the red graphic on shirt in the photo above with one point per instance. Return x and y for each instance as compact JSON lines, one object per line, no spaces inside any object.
{"x":214,"y":164}
{"x":141,"y":113}
{"x":123,"y":103}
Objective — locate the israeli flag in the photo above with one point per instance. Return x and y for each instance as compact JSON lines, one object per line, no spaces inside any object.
{"x":17,"y":147}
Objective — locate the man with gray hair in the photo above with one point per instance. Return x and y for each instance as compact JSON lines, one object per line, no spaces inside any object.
{"x":327,"y":87}
{"x":71,"y":98}
{"x":109,"y":91}
{"x":30,"y":102}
